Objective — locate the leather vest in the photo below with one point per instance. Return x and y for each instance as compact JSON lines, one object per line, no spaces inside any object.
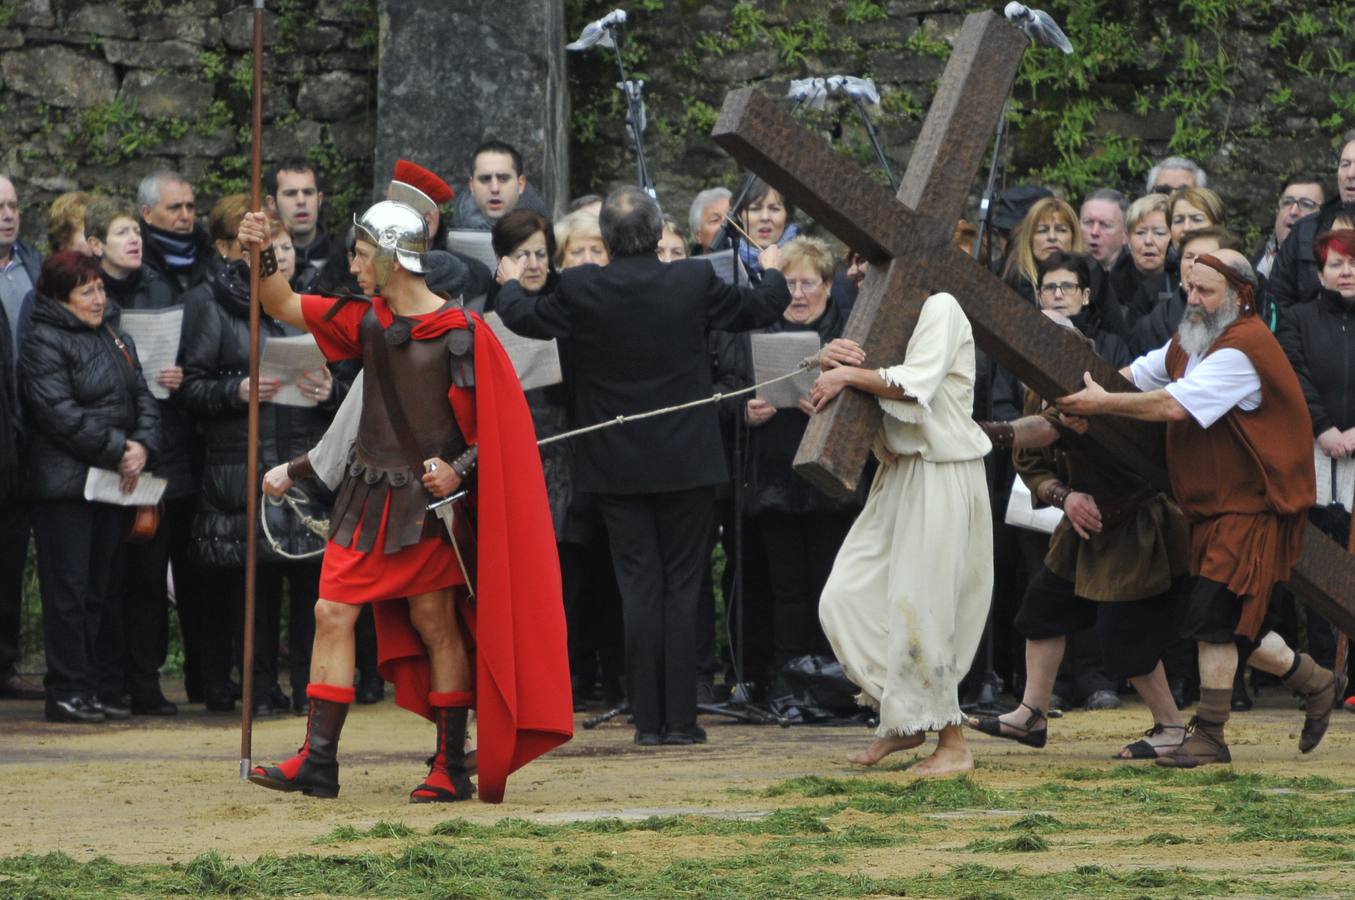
{"x":423,"y":373}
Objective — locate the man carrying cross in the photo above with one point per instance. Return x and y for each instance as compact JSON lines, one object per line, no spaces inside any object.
{"x":1234,"y":411}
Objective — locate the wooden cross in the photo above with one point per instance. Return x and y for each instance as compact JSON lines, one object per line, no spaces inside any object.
{"x":907,"y":239}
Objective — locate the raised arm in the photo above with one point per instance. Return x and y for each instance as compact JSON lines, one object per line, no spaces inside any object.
{"x":277,"y":296}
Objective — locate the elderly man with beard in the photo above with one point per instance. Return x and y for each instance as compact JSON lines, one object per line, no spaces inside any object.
{"x":1233,"y":407}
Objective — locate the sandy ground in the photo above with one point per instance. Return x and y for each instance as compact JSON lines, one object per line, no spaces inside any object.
{"x":167,"y":790}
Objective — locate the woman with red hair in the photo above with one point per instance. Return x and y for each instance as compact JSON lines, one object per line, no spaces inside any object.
{"x":87,"y":406}
{"x":1319,"y":339}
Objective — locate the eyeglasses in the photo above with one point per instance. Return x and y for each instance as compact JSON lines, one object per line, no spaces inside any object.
{"x":1163,"y":189}
{"x":1066,"y":287}
{"x":807,"y":287}
{"x":1303,"y":203}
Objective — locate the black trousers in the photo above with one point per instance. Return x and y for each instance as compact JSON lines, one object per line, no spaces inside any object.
{"x":80,"y":553}
{"x":226,"y":621}
{"x":134,"y":636}
{"x":593,"y":616}
{"x":659,"y":544}
{"x":13,"y":555}
{"x":800,"y":551}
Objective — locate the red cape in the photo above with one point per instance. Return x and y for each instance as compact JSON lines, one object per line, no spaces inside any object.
{"x":523,"y":705}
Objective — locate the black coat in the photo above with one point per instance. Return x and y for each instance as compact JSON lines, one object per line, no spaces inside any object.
{"x":1009,"y":394}
{"x":206,"y":261}
{"x":640,"y":331}
{"x":83,"y":400}
{"x":215,"y":354}
{"x":1156,"y":328}
{"x":769,"y":483}
{"x":146,"y":289}
{"x":1293,"y":277}
{"x":1319,"y":339}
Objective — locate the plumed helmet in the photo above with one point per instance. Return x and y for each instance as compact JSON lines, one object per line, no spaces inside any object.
{"x":399,"y":233}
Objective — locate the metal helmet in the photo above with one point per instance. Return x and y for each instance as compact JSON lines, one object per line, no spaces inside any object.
{"x":399,"y":233}
{"x":409,"y":195}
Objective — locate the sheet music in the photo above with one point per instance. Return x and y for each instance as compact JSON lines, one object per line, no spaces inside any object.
{"x":286,"y":358}
{"x":1345,"y":479}
{"x":474,"y":244}
{"x":156,"y":335}
{"x":105,"y":486}
{"x":1022,"y":514}
{"x":536,"y":362}
{"x":777,"y":354}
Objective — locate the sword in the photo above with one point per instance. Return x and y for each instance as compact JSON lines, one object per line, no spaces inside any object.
{"x":456,"y":518}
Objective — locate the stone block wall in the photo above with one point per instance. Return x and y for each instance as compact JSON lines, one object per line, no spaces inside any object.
{"x":95,"y":94}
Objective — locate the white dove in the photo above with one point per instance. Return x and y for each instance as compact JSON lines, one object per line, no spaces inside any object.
{"x":1038,"y":25}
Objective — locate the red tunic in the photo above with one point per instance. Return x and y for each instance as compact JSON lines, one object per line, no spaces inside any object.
{"x":517,"y":630}
{"x":348,"y":575}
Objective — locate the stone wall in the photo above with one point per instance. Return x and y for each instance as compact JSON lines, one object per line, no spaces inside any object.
{"x":1252,"y":89}
{"x":99,"y":94}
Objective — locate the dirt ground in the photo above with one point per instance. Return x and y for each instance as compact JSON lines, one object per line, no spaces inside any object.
{"x":168,"y":790}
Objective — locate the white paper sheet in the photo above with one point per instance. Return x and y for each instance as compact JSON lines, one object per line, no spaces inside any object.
{"x":536,"y":362}
{"x":777,"y":354}
{"x":474,"y":244}
{"x":105,"y":486}
{"x":286,"y":358}
{"x":1345,"y":479}
{"x":156,"y":335}
{"x":1022,"y":514}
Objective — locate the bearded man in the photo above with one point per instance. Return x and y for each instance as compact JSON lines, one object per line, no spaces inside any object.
{"x":1233,"y":407}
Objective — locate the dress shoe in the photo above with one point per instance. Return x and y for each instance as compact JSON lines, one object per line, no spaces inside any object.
{"x":300,"y":703}
{"x":370,"y":689}
{"x":76,"y":709}
{"x":648,"y":738}
{"x":692,"y":734}
{"x":16,"y":687}
{"x":705,"y":692}
{"x":1104,"y":699}
{"x":153,"y":705}
{"x":263,"y":706}
{"x":113,"y":706}
{"x":219,"y":700}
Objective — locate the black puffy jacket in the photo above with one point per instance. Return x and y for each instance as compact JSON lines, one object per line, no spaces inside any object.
{"x":83,"y":397}
{"x":1319,"y":339}
{"x":147,"y":289}
{"x":215,"y":354}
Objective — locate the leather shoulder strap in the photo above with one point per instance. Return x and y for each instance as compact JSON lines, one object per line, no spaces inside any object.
{"x":394,"y":408}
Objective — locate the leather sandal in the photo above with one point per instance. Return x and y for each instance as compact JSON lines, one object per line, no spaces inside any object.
{"x":1022,"y":734}
{"x":1146,"y":749}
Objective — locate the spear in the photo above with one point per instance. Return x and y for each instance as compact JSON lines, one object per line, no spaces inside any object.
{"x":252,"y":449}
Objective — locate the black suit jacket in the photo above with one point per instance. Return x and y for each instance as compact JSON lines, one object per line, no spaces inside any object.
{"x":639,"y":330}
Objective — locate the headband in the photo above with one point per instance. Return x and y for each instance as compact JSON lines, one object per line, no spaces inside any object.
{"x":1246,"y":292}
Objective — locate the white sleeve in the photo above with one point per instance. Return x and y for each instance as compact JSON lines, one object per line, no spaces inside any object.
{"x":1222,"y":380}
{"x":1149,"y":372}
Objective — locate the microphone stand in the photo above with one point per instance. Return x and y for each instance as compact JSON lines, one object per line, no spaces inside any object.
{"x":986,"y":205}
{"x":875,"y":143}
{"x":635,"y":115}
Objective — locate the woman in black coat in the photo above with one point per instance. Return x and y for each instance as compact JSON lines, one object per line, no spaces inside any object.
{"x":86,"y":406}
{"x":799,"y":528}
{"x":135,"y":634}
{"x":215,"y":391}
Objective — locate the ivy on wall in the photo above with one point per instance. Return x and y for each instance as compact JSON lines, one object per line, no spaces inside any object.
{"x":1252,"y":89}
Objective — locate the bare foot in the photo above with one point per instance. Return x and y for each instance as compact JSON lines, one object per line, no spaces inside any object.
{"x":945,"y":761}
{"x":882,"y":747}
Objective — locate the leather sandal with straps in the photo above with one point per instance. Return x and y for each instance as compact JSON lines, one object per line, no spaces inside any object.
{"x":1146,"y":749}
{"x":1022,"y":734}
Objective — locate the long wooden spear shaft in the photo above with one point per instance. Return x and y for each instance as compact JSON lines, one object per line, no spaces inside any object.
{"x":252,"y":450}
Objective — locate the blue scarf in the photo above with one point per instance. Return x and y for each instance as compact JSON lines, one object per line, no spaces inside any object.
{"x":749,"y":253}
{"x":179,"y":252}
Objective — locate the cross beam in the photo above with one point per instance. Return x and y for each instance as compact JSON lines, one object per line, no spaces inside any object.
{"x":907,"y":238}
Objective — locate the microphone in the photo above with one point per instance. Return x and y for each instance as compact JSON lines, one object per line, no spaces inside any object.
{"x":599,"y":33}
{"x":855,"y":88}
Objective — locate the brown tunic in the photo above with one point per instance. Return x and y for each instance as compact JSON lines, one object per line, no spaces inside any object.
{"x":1141,"y":548}
{"x":1246,"y":482}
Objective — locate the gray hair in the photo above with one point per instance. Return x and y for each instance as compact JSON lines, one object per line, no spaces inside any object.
{"x":704,"y":199}
{"x":1346,"y":138}
{"x":631,"y":222}
{"x":1176,"y":162}
{"x":148,"y":192}
{"x":1109,"y":195}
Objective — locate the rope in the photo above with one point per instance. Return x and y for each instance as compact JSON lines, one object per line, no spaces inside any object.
{"x":807,"y":363}
{"x":293,"y":498}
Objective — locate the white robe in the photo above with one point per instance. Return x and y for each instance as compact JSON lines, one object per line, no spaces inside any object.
{"x":908,"y":597}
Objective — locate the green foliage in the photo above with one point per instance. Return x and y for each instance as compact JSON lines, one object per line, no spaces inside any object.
{"x":113,"y":132}
{"x":212,"y":63}
{"x":925,"y":45}
{"x":861,"y":12}
{"x":800,"y":38}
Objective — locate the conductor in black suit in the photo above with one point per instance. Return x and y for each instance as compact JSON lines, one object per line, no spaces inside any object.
{"x":638,"y":329}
